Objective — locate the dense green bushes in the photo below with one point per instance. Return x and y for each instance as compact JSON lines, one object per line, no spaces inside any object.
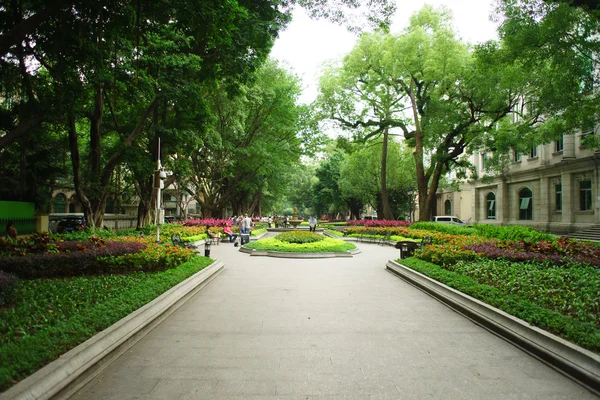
{"x":300,"y":237}
{"x":512,"y":232}
{"x":51,"y":316}
{"x":559,"y":301}
{"x":326,"y":245}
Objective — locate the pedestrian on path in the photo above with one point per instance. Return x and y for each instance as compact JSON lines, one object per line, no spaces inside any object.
{"x":312,"y":224}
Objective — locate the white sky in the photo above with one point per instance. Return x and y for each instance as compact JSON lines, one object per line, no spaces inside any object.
{"x":306,"y":44}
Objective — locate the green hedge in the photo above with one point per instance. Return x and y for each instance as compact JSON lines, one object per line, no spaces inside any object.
{"x":514,"y":297}
{"x":324,"y":246}
{"x":511,"y":232}
{"x":48,"y":319}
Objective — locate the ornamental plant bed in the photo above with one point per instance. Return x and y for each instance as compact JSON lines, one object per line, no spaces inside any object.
{"x":301,"y":242}
{"x":562,"y":251}
{"x":51,"y":316}
{"x":562,"y":301}
{"x":379,"y":223}
{"x":54,"y":257}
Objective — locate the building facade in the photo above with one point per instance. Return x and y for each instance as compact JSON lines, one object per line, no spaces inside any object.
{"x":554,"y":187}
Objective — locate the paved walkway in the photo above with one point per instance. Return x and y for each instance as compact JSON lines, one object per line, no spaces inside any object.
{"x":269,"y":328}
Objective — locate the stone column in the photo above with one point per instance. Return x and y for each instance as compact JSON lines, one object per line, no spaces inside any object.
{"x":544,"y":201}
{"x":567,"y":197}
{"x":475,"y":205}
{"x":41,"y":223}
{"x":569,"y":146}
{"x":502,"y":203}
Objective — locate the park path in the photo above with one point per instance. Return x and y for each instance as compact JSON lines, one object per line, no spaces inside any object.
{"x":269,"y":328}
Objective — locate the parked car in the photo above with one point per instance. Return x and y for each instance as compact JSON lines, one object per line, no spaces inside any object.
{"x":71,"y":224}
{"x":448,"y":219}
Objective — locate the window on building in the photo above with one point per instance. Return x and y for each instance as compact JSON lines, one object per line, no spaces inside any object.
{"x":533,"y":151}
{"x":59,"y":203}
{"x":491,"y":205}
{"x":558,"y":196}
{"x":585,"y":195}
{"x":447,"y":207}
{"x":559,"y":145}
{"x":525,"y":204}
{"x":516,"y":155}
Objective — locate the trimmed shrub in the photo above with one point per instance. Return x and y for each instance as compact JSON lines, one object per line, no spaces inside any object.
{"x":78,"y":259}
{"x":324,"y":246}
{"x":208,"y":222}
{"x":380,"y":223}
{"x":512,"y":232}
{"x":300,"y":237}
{"x":8,"y":284}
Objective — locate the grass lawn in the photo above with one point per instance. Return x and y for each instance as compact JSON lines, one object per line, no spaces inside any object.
{"x":51,"y":316}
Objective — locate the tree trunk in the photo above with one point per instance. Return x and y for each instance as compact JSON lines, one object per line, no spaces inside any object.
{"x":75,"y":161}
{"x":147,"y":201}
{"x":387,"y":211}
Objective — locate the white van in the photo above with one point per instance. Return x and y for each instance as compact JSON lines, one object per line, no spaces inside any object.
{"x":448,"y":219}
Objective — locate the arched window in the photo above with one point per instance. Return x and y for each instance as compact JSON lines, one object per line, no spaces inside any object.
{"x":447,"y":207}
{"x":490,"y":201}
{"x":59,"y":203}
{"x":525,"y":204}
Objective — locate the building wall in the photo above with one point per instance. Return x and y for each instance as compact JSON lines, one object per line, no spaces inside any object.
{"x":541,"y":173}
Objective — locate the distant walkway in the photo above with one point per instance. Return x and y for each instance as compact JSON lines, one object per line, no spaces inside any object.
{"x":269,"y":328}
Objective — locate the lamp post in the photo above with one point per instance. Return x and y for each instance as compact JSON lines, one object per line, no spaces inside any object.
{"x":409,"y":192}
{"x":159,"y":177}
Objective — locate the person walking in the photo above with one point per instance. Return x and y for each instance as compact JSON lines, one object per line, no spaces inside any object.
{"x":312,"y":224}
{"x":247,"y":224}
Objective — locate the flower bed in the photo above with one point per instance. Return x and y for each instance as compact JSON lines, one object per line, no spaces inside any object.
{"x":301,"y":242}
{"x":380,"y":223}
{"x":51,"y":316}
{"x":208,"y":222}
{"x":561,"y":301}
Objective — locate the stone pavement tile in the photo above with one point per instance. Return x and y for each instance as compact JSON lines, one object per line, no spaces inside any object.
{"x":245,"y":387}
{"x":338,"y":386}
{"x":226,"y":362}
{"x":112,"y":386}
{"x":304,"y":362}
{"x":174,"y":388}
{"x":557,"y":385}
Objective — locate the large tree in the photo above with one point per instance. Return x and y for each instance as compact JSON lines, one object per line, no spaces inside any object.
{"x":254,"y":135}
{"x":446,"y":99}
{"x":360,"y":178}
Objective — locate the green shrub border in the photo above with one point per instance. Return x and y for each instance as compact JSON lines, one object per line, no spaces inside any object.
{"x":20,"y":359}
{"x":581,"y":333}
{"x":324,"y":246}
{"x":258,"y":231}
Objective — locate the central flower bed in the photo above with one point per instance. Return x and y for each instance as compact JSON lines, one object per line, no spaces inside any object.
{"x":301,"y":242}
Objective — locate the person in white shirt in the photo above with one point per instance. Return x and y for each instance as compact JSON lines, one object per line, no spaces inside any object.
{"x":312,"y":224}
